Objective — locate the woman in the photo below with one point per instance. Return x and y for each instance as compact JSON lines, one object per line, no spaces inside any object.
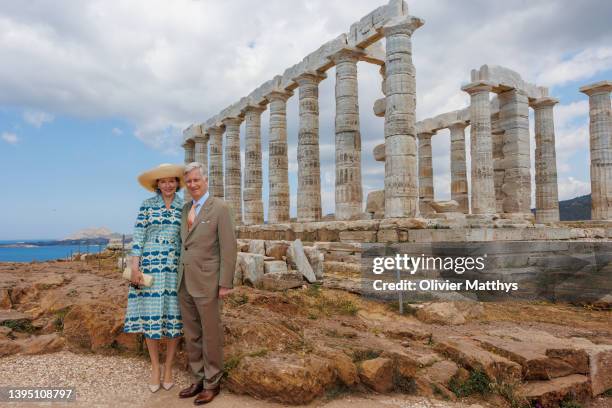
{"x":156,"y":245}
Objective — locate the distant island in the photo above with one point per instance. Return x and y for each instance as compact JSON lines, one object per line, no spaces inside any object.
{"x":87,"y":236}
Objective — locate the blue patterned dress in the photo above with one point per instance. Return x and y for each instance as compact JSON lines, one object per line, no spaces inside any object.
{"x":154,"y":311}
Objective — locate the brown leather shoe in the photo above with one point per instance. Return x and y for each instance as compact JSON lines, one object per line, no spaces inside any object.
{"x":191,"y":391}
{"x":206,"y":396}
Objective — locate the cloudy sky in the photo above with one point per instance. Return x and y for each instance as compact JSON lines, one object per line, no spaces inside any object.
{"x":94,"y":92}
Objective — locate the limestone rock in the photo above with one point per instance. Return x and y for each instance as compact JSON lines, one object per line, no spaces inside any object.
{"x":252,"y":267}
{"x":9,"y":347}
{"x":281,"y":280}
{"x":379,"y":152}
{"x":8,"y":316}
{"x":551,"y":393}
{"x":237,"y":273}
{"x":93,"y":326}
{"x":301,"y":261}
{"x":48,"y":282}
{"x":377,"y":374}
{"x":435,"y":379}
{"x":5,"y":332}
{"x":277,"y":249}
{"x":449,"y":206}
{"x":379,"y":107}
{"x":376,"y":202}
{"x":243,"y":245}
{"x":275,"y":267}
{"x":257,"y":246}
{"x":345,"y":369}
{"x":451,"y":313}
{"x":47,"y":343}
{"x":315,"y":258}
{"x":5,"y":299}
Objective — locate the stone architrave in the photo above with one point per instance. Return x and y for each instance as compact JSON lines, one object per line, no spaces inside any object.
{"x":483,"y":188}
{"x":426,"y":187}
{"x":215,"y":173}
{"x":253,"y":183}
{"x":278,"y":159}
{"x":401,"y":192}
{"x":233,"y":170}
{"x":459,"y":183}
{"x":600,"y":129}
{"x":547,"y":194}
{"x":309,"y":164}
{"x":189,"y":147}
{"x":349,"y":193}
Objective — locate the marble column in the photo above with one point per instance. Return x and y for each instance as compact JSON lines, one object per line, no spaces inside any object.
{"x":349,"y":193}
{"x":189,"y":147}
{"x":401,"y":193}
{"x":547,"y":195}
{"x":215,"y":173}
{"x":600,"y":129}
{"x":233,"y":173}
{"x":278,"y":159}
{"x":200,"y":154}
{"x":252,"y":193}
{"x":459,"y":183}
{"x":481,"y":148}
{"x":426,"y":187}
{"x":514,"y":120}
{"x":309,"y":166}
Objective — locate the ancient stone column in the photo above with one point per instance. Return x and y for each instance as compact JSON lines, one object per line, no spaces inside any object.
{"x":481,"y":148}
{"x":600,"y":129}
{"x":278,"y":159}
{"x":514,"y":120}
{"x":201,"y":151}
{"x":215,"y":173}
{"x":401,"y":193}
{"x":426,"y":187}
{"x":189,"y":147}
{"x":547,"y":195}
{"x":349,"y":194}
{"x":459,"y":183}
{"x":233,"y":174}
{"x":252,"y":193}
{"x":309,"y":166}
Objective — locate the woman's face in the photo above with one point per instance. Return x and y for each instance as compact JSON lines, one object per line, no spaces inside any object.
{"x":167,"y":186}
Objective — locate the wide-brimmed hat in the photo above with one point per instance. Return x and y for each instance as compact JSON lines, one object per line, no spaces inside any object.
{"x":149,"y":178}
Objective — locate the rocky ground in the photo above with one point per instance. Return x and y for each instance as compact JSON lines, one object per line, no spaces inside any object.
{"x":309,"y":345}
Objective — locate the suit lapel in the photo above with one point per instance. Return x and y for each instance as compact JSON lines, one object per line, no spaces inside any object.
{"x":203,"y":212}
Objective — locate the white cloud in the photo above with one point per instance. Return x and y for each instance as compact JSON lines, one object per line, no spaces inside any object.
{"x":37,"y":118}
{"x":581,"y":66}
{"x":10,"y":138}
{"x":570,"y":187}
{"x":117,"y":131}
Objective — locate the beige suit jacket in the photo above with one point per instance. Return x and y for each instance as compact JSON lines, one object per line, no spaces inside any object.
{"x":208,"y":251}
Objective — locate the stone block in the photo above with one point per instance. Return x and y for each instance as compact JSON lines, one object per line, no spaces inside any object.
{"x":252,"y":267}
{"x":301,"y":261}
{"x":275,"y":267}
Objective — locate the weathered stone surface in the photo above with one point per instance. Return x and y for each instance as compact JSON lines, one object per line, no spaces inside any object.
{"x":466,"y":353}
{"x":345,"y":369}
{"x":277,"y":249}
{"x":237,"y":273}
{"x":451,"y":313}
{"x":445,"y":206}
{"x":46,"y":343}
{"x":275,"y":267}
{"x":215,"y":176}
{"x":550,"y":393}
{"x":301,"y":261}
{"x":375,"y":203}
{"x":379,"y":109}
{"x":257,"y":246}
{"x":233,"y":167}
{"x":278,"y":160}
{"x":287,"y":379}
{"x":93,"y":326}
{"x":434,"y":379}
{"x":9,"y":347}
{"x":5,"y":299}
{"x":8,"y":316}
{"x":252,"y":267}
{"x":315,"y":258}
{"x":377,"y":374}
{"x":379,"y":153}
{"x":253,"y":183}
{"x":281,"y":280}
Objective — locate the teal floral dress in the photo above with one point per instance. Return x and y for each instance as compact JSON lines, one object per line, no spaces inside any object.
{"x":154,"y":311}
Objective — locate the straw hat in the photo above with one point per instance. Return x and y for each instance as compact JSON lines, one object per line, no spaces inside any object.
{"x":149,"y":178}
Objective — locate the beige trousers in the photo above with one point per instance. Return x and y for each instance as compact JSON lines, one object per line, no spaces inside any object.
{"x":203,"y":336}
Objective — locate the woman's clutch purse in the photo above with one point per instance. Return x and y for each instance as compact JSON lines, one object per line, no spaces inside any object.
{"x":148,"y":279}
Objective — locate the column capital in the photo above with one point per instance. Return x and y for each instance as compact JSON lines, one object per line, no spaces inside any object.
{"x":278,"y":95}
{"x":201,"y":138}
{"x":236,"y":121}
{"x":348,"y":54}
{"x":188,"y":144}
{"x":426,"y":134}
{"x":545,"y":102}
{"x":309,"y":77}
{"x":253,"y":108}
{"x":478,"y":86}
{"x":214,"y":130}
{"x":460,"y":124}
{"x":596,"y":88}
{"x":402,"y":25}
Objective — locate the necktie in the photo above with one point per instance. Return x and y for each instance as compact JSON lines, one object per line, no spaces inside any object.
{"x":191,"y":217}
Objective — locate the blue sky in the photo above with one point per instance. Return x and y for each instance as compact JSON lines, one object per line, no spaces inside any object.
{"x":93,"y":93}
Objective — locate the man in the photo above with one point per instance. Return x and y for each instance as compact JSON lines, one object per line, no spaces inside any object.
{"x":205,"y":276}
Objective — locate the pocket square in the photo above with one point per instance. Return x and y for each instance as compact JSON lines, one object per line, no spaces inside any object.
{"x":204,"y":222}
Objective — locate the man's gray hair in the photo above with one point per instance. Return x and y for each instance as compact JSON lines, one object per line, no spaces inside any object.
{"x":195,"y":165}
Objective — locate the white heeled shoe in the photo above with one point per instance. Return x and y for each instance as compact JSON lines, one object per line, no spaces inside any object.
{"x":166,"y":385}
{"x":155,"y":387}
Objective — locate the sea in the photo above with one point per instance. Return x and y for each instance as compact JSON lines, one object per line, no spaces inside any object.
{"x":42,"y":253}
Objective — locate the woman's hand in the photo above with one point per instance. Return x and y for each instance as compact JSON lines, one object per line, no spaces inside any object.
{"x":137,"y":277}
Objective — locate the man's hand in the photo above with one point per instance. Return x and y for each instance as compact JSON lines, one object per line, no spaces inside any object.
{"x":224,"y":292}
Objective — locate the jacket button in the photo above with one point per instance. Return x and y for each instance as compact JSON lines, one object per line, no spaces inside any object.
{"x":186,"y":248}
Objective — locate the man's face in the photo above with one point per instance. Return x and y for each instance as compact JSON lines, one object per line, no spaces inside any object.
{"x":196,"y":184}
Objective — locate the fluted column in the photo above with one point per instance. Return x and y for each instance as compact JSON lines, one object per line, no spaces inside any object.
{"x":547,"y":195}
{"x":215,"y":173}
{"x":459,"y":184}
{"x":481,"y":147}
{"x":401,"y":194}
{"x":600,"y":129}
{"x":252,"y":194}
{"x":309,"y":165}
{"x":349,"y":193}
{"x":426,"y":187}
{"x":278,"y":159}
{"x":233,"y":174}
{"x":200,"y":154}
{"x":189,"y":147}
